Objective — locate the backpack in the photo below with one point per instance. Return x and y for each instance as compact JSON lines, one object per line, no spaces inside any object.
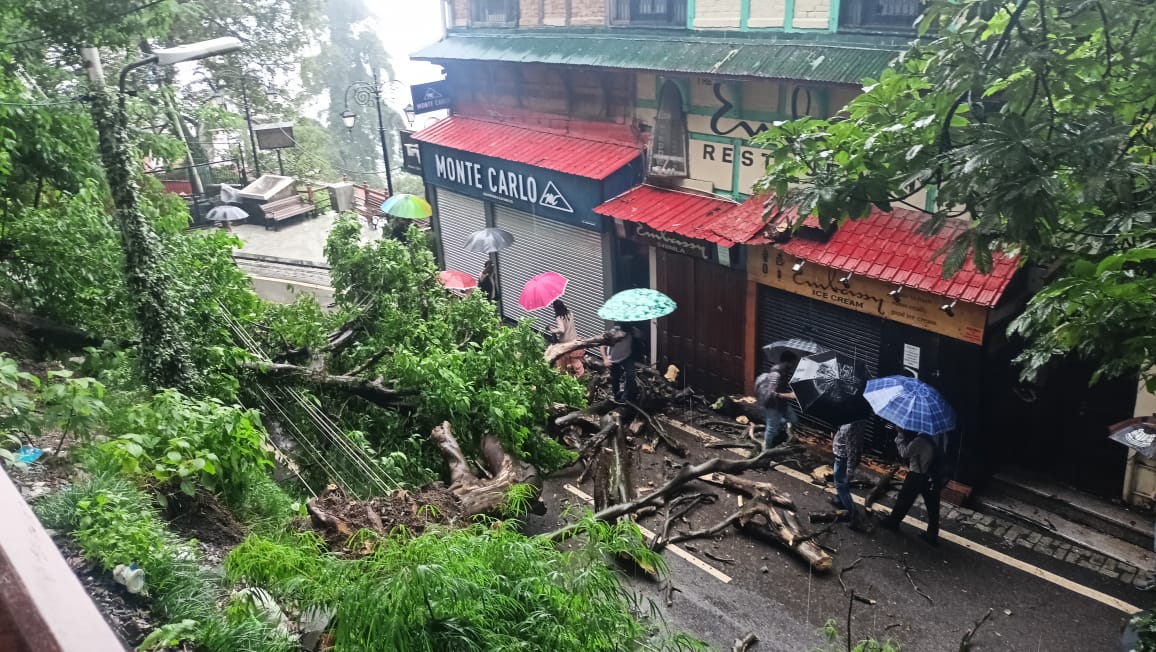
{"x":764,"y":392}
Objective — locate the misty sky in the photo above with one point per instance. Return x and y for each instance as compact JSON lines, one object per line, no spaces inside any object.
{"x":407,"y":26}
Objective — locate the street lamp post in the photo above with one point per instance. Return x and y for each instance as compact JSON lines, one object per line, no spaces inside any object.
{"x":363,"y":94}
{"x":165,"y":353}
{"x":249,"y":126}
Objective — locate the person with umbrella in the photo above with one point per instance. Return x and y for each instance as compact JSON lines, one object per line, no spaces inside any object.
{"x":625,"y":308}
{"x":921,"y":414}
{"x":620,"y":358}
{"x":847,"y":445}
{"x":775,"y":395}
{"x":565,"y":331}
{"x":487,"y":283}
{"x":924,"y":478}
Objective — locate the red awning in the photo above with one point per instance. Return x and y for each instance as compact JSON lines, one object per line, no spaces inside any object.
{"x":884,"y":246}
{"x":674,"y":211}
{"x":580,"y":157}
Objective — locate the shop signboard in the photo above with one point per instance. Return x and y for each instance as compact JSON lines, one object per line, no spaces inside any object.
{"x":769,"y":266}
{"x":433,"y":96}
{"x":538,"y":191}
{"x":679,"y":244}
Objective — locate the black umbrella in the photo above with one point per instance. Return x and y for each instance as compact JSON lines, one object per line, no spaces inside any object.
{"x":829,"y":386}
{"x":489,"y":240}
{"x":775,"y":350}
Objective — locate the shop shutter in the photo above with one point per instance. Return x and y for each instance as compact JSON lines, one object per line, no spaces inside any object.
{"x":542,"y":245}
{"x":783,"y":315}
{"x":458,"y":217}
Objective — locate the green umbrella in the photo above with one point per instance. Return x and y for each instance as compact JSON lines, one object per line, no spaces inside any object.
{"x":637,"y":305}
{"x":407,"y":207}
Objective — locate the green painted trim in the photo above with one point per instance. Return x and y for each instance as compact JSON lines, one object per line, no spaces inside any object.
{"x":645,"y":104}
{"x":744,"y":14}
{"x":736,"y":169}
{"x":833,"y":19}
{"x":932,"y":196}
{"x":789,"y":16}
{"x":782,"y":108}
{"x":694,"y":135}
{"x":690,"y":14}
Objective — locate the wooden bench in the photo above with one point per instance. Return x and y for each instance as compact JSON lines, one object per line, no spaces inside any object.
{"x":283,"y":209}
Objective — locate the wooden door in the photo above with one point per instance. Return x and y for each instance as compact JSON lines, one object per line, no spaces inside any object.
{"x":704,"y":337}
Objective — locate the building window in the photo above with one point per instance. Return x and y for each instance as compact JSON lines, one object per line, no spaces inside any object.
{"x":669,"y":13}
{"x":668,"y":145}
{"x":881,"y":15}
{"x":500,"y":13}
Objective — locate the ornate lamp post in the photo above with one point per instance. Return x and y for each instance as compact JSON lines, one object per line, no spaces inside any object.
{"x":365,"y":93}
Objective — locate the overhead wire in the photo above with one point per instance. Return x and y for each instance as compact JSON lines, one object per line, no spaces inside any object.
{"x":323,"y":423}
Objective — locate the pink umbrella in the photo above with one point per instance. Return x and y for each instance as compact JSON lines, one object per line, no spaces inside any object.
{"x":542,"y":290}
{"x":455,"y":280}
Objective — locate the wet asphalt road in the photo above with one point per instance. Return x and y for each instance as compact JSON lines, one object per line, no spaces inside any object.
{"x":786,"y":605}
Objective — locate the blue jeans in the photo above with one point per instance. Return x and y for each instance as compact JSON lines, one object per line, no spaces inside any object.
{"x":776,"y":418}
{"x":843,"y":485}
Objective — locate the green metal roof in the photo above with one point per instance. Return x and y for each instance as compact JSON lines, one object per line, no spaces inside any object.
{"x":839,"y":59}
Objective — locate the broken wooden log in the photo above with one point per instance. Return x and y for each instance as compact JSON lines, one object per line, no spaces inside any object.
{"x":881,"y":487}
{"x":555,"y":351}
{"x":737,"y":405}
{"x":755,"y":489}
{"x":743,"y":644}
{"x":778,"y":528}
{"x":478,"y":496}
{"x":375,"y":391}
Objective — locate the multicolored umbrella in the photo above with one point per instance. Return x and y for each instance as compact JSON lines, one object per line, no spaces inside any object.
{"x":639,"y":304}
{"x":489,"y":240}
{"x":407,"y":207}
{"x":541,"y":291}
{"x":775,"y":350}
{"x":455,"y":280}
{"x":829,"y":386}
{"x":910,"y":404}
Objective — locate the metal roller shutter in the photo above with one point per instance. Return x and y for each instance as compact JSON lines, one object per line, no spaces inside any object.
{"x":542,"y":245}
{"x":458,"y":217}
{"x":783,"y":315}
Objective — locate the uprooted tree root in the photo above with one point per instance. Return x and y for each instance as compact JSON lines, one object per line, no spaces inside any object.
{"x":338,"y":517}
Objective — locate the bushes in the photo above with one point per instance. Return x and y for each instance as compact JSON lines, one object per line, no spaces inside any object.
{"x":481,"y":588}
{"x":115,"y":523}
{"x":190,"y":444}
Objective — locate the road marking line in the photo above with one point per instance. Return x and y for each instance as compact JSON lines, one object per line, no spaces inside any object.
{"x":291,"y":282}
{"x":1047,"y":576}
{"x":702,"y":565}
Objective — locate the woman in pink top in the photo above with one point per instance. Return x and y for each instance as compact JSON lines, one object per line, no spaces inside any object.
{"x":566,"y":332}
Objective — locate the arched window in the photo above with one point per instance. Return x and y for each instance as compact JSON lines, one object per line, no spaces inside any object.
{"x":668,"y":146}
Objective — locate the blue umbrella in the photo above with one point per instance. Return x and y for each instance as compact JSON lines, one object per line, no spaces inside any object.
{"x":910,"y":404}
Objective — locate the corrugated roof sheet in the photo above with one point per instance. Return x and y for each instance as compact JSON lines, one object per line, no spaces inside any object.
{"x":886,"y":246}
{"x":745,"y":223}
{"x":567,"y":154}
{"x":843,"y":60}
{"x":674,"y":211}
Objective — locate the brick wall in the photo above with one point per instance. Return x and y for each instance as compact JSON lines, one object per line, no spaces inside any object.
{"x":587,"y":12}
{"x":812,"y":14}
{"x":461,"y":9}
{"x":718,"y":14}
{"x":767,"y":13}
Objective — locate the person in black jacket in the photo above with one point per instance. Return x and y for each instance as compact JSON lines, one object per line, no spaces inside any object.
{"x":487,"y":284}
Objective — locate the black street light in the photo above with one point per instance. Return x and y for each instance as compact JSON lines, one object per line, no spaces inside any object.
{"x":365,"y":93}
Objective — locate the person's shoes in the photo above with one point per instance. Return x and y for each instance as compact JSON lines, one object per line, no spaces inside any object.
{"x":834,"y":500}
{"x":1146,"y":583}
{"x":889,"y":524}
{"x":930,"y":540}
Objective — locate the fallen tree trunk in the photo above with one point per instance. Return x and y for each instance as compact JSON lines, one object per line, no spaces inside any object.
{"x":555,"y":351}
{"x":685,"y":475}
{"x":484,"y":496}
{"x":757,"y":490}
{"x":740,"y":406}
{"x":44,"y":333}
{"x":375,"y":391}
{"x":881,"y":487}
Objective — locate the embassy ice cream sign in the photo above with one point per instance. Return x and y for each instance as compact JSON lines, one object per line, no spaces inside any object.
{"x":542,"y":192}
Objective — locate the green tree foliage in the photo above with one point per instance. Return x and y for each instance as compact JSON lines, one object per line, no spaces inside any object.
{"x":485,"y":587}
{"x":455,"y":354}
{"x":1034,"y":122}
{"x":353,"y":52}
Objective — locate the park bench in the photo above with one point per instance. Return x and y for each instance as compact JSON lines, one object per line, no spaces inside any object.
{"x":283,"y":209}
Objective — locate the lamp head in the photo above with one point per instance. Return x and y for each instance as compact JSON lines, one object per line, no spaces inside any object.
{"x":798,"y":266}
{"x":409,"y":113}
{"x":948,"y":308}
{"x":846,"y":280}
{"x":894,"y":294}
{"x":195,"y":51}
{"x":349,"y":119}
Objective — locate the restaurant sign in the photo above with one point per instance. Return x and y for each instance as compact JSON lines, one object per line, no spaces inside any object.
{"x":679,"y":244}
{"x":769,"y":266}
